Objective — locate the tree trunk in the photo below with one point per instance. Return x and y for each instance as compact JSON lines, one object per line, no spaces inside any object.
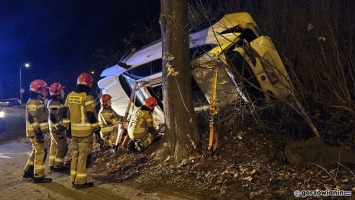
{"x":181,"y":133}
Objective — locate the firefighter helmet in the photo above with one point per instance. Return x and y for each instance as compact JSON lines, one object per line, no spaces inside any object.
{"x":104,"y":99}
{"x":85,"y":79}
{"x":151,"y":102}
{"x":37,"y":86}
{"x":56,"y":88}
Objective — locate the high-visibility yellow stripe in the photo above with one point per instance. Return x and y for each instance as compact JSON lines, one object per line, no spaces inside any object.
{"x":95,"y":124}
{"x":32,"y":106}
{"x":66,"y":121}
{"x":44,"y":126}
{"x":55,"y":106}
{"x":35,"y":124}
{"x":81,"y":124}
{"x":106,"y":129}
{"x":76,"y":128}
{"x":58,"y":160}
{"x":89,"y":102}
{"x":81,"y":175}
{"x":39,"y":167}
{"x":82,"y":114}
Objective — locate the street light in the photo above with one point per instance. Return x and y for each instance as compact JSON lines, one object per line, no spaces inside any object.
{"x":27,"y":65}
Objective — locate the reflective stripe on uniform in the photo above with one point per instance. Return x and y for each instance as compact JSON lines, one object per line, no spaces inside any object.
{"x":55,"y":106}
{"x":30,"y":162}
{"x":81,"y":126}
{"x":89,"y":102}
{"x":95,"y":125}
{"x":82,"y":114}
{"x":81,"y":175}
{"x":39,"y":167}
{"x":32,"y":107}
{"x":43,"y":126}
{"x":58,"y":160}
{"x":106,"y":129}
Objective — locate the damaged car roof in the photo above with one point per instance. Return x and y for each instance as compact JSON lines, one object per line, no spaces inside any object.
{"x":249,"y":67}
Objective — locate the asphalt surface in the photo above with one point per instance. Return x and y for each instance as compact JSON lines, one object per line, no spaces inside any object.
{"x":14,"y":152}
{"x":13,"y":156}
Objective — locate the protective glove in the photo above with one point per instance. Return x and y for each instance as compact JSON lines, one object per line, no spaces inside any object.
{"x":151,"y":130}
{"x":39,"y":136}
{"x":97,"y":134}
{"x":99,"y":138}
{"x":68,"y":132}
{"x":61,"y":128}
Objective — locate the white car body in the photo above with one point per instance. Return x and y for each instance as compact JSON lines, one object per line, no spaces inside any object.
{"x":233,"y":50}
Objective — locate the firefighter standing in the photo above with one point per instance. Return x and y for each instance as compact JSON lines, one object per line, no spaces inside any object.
{"x":36,"y":130}
{"x":108,"y":121}
{"x":59,"y":142}
{"x":141,"y":128}
{"x":83,"y":122}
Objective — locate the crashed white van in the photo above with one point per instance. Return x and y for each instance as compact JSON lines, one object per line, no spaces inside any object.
{"x":249,"y":67}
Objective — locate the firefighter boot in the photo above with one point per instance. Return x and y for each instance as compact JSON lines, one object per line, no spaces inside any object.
{"x":62,"y":169}
{"x":85,"y":185}
{"x":29,"y":172}
{"x":139,"y":146}
{"x":42,"y":180}
{"x":131,"y":146}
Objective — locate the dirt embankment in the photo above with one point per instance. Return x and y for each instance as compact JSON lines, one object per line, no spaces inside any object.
{"x":248,"y":165}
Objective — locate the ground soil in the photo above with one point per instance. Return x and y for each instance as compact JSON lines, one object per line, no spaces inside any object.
{"x":248,"y":165}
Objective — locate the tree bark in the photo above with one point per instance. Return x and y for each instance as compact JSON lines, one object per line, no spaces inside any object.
{"x":181,"y":134}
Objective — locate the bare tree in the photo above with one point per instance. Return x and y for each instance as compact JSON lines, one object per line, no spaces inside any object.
{"x":181,"y":133}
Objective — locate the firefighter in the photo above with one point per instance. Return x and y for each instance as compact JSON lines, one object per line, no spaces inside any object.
{"x":83,"y":123}
{"x":36,"y":131}
{"x":59,"y":142}
{"x":141,"y":128}
{"x":108,"y":121}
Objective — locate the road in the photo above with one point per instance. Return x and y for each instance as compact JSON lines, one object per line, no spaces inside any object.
{"x":14,"y":152}
{"x":13,"y":156}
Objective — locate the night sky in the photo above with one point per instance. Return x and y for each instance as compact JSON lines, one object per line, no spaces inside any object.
{"x":56,"y":37}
